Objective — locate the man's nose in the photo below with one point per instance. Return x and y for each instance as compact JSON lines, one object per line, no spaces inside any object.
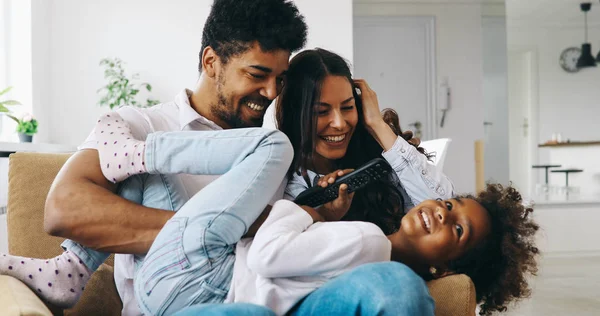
{"x":269,"y":90}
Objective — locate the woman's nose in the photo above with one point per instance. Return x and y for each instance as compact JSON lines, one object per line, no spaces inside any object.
{"x":337,"y":121}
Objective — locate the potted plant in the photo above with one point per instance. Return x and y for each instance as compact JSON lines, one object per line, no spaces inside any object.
{"x":120,"y":89}
{"x":27,"y":126}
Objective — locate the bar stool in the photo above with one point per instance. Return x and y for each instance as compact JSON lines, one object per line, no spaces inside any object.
{"x":567,"y":188}
{"x":544,"y":188}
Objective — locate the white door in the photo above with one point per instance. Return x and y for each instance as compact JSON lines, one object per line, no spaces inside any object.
{"x":495,"y":99}
{"x":396,"y":57}
{"x":522,"y":108}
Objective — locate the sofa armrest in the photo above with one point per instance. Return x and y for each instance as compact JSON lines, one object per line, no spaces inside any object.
{"x":453,"y":295}
{"x":17,"y":299}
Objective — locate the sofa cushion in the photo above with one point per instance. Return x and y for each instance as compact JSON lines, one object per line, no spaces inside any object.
{"x":17,"y":299}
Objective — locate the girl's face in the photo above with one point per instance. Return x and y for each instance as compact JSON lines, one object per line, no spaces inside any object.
{"x":435,"y":231}
{"x":337,"y":117}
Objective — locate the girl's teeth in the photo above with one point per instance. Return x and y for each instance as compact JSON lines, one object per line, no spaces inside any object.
{"x":426,"y":219}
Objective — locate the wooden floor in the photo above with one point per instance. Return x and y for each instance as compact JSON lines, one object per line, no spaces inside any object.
{"x":566,"y":285}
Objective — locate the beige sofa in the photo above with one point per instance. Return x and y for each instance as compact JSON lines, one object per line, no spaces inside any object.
{"x":30,"y":177}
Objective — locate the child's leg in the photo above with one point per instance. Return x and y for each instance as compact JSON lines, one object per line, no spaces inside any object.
{"x":191,"y":260}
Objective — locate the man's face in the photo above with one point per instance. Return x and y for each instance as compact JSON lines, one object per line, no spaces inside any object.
{"x":247,"y":84}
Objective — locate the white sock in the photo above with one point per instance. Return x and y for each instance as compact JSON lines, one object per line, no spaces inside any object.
{"x":59,"y":280}
{"x":121,"y":156}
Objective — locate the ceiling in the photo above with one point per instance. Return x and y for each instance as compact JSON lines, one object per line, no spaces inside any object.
{"x":557,"y":12}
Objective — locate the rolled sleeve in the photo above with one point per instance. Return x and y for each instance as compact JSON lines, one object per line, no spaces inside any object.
{"x":421,"y":179}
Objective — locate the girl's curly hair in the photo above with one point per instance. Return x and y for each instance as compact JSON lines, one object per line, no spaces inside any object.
{"x":499,"y":266}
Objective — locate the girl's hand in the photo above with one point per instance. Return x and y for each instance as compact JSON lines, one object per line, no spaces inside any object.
{"x":371,"y":112}
{"x":336,"y":209}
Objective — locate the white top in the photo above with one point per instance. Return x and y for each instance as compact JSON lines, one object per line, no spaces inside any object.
{"x":177,"y":115}
{"x":290,"y":256}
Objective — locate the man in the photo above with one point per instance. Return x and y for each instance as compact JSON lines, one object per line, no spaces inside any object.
{"x":246,"y":46}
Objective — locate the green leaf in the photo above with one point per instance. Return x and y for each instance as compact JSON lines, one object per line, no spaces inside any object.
{"x":13,"y":118}
{"x":5,"y":90}
{"x":3,"y":109}
{"x":10,"y":102}
{"x":148,"y":87}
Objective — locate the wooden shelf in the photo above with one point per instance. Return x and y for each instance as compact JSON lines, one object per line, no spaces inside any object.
{"x":571,"y":144}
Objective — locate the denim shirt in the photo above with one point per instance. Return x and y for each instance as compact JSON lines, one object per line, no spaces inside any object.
{"x":417,"y":179}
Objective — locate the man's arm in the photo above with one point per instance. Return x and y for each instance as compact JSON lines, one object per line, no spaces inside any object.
{"x":82,"y":206}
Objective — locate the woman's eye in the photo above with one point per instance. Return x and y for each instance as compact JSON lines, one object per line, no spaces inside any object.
{"x":459,"y":230}
{"x":348,"y":107}
{"x":322,"y":112}
{"x":448,"y":206}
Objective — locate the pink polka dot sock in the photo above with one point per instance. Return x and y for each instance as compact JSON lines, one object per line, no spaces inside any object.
{"x":59,"y":280}
{"x":121,"y":156}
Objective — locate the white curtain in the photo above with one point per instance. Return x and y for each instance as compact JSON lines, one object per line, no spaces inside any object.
{"x":15,"y":59}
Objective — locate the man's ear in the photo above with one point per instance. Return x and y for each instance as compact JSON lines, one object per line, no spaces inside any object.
{"x":210,"y":59}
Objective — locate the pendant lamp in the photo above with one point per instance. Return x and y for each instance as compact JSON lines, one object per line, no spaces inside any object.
{"x":586,"y":59}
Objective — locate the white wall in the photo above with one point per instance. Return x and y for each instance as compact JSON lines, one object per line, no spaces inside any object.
{"x":158,"y":39}
{"x":459,"y":57}
{"x":568,"y":103}
{"x":16,"y":64}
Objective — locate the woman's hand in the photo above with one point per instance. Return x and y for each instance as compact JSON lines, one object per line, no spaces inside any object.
{"x":336,"y":209}
{"x":374,"y":122}
{"x":371,"y":112}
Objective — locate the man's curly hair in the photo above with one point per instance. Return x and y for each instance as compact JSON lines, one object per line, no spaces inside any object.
{"x":500,"y":265}
{"x":234,"y":25}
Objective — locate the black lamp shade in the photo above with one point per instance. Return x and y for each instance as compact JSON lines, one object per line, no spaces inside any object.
{"x":586,"y":59}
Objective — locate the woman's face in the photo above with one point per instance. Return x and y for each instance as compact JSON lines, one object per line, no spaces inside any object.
{"x":336,"y":120}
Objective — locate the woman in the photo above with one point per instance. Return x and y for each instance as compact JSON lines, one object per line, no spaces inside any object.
{"x":332,"y":127}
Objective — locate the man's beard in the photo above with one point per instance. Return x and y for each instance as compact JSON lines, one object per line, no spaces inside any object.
{"x":225,"y":111}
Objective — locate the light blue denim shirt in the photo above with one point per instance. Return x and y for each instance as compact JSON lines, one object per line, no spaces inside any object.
{"x":417,"y":178}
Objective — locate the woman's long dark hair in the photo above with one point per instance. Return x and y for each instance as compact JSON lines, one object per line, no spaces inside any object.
{"x":381,"y":203}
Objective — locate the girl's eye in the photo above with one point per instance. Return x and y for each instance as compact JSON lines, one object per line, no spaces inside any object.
{"x":459,"y":230}
{"x":438,"y":199}
{"x":448,"y":206}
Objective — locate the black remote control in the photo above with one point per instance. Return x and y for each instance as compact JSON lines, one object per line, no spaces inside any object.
{"x":356,"y":180}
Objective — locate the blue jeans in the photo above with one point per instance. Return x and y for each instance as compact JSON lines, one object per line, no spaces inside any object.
{"x":191,"y":259}
{"x":194,"y":251}
{"x":387,"y":288}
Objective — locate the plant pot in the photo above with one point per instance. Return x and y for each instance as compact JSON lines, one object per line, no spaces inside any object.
{"x":24,"y":138}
